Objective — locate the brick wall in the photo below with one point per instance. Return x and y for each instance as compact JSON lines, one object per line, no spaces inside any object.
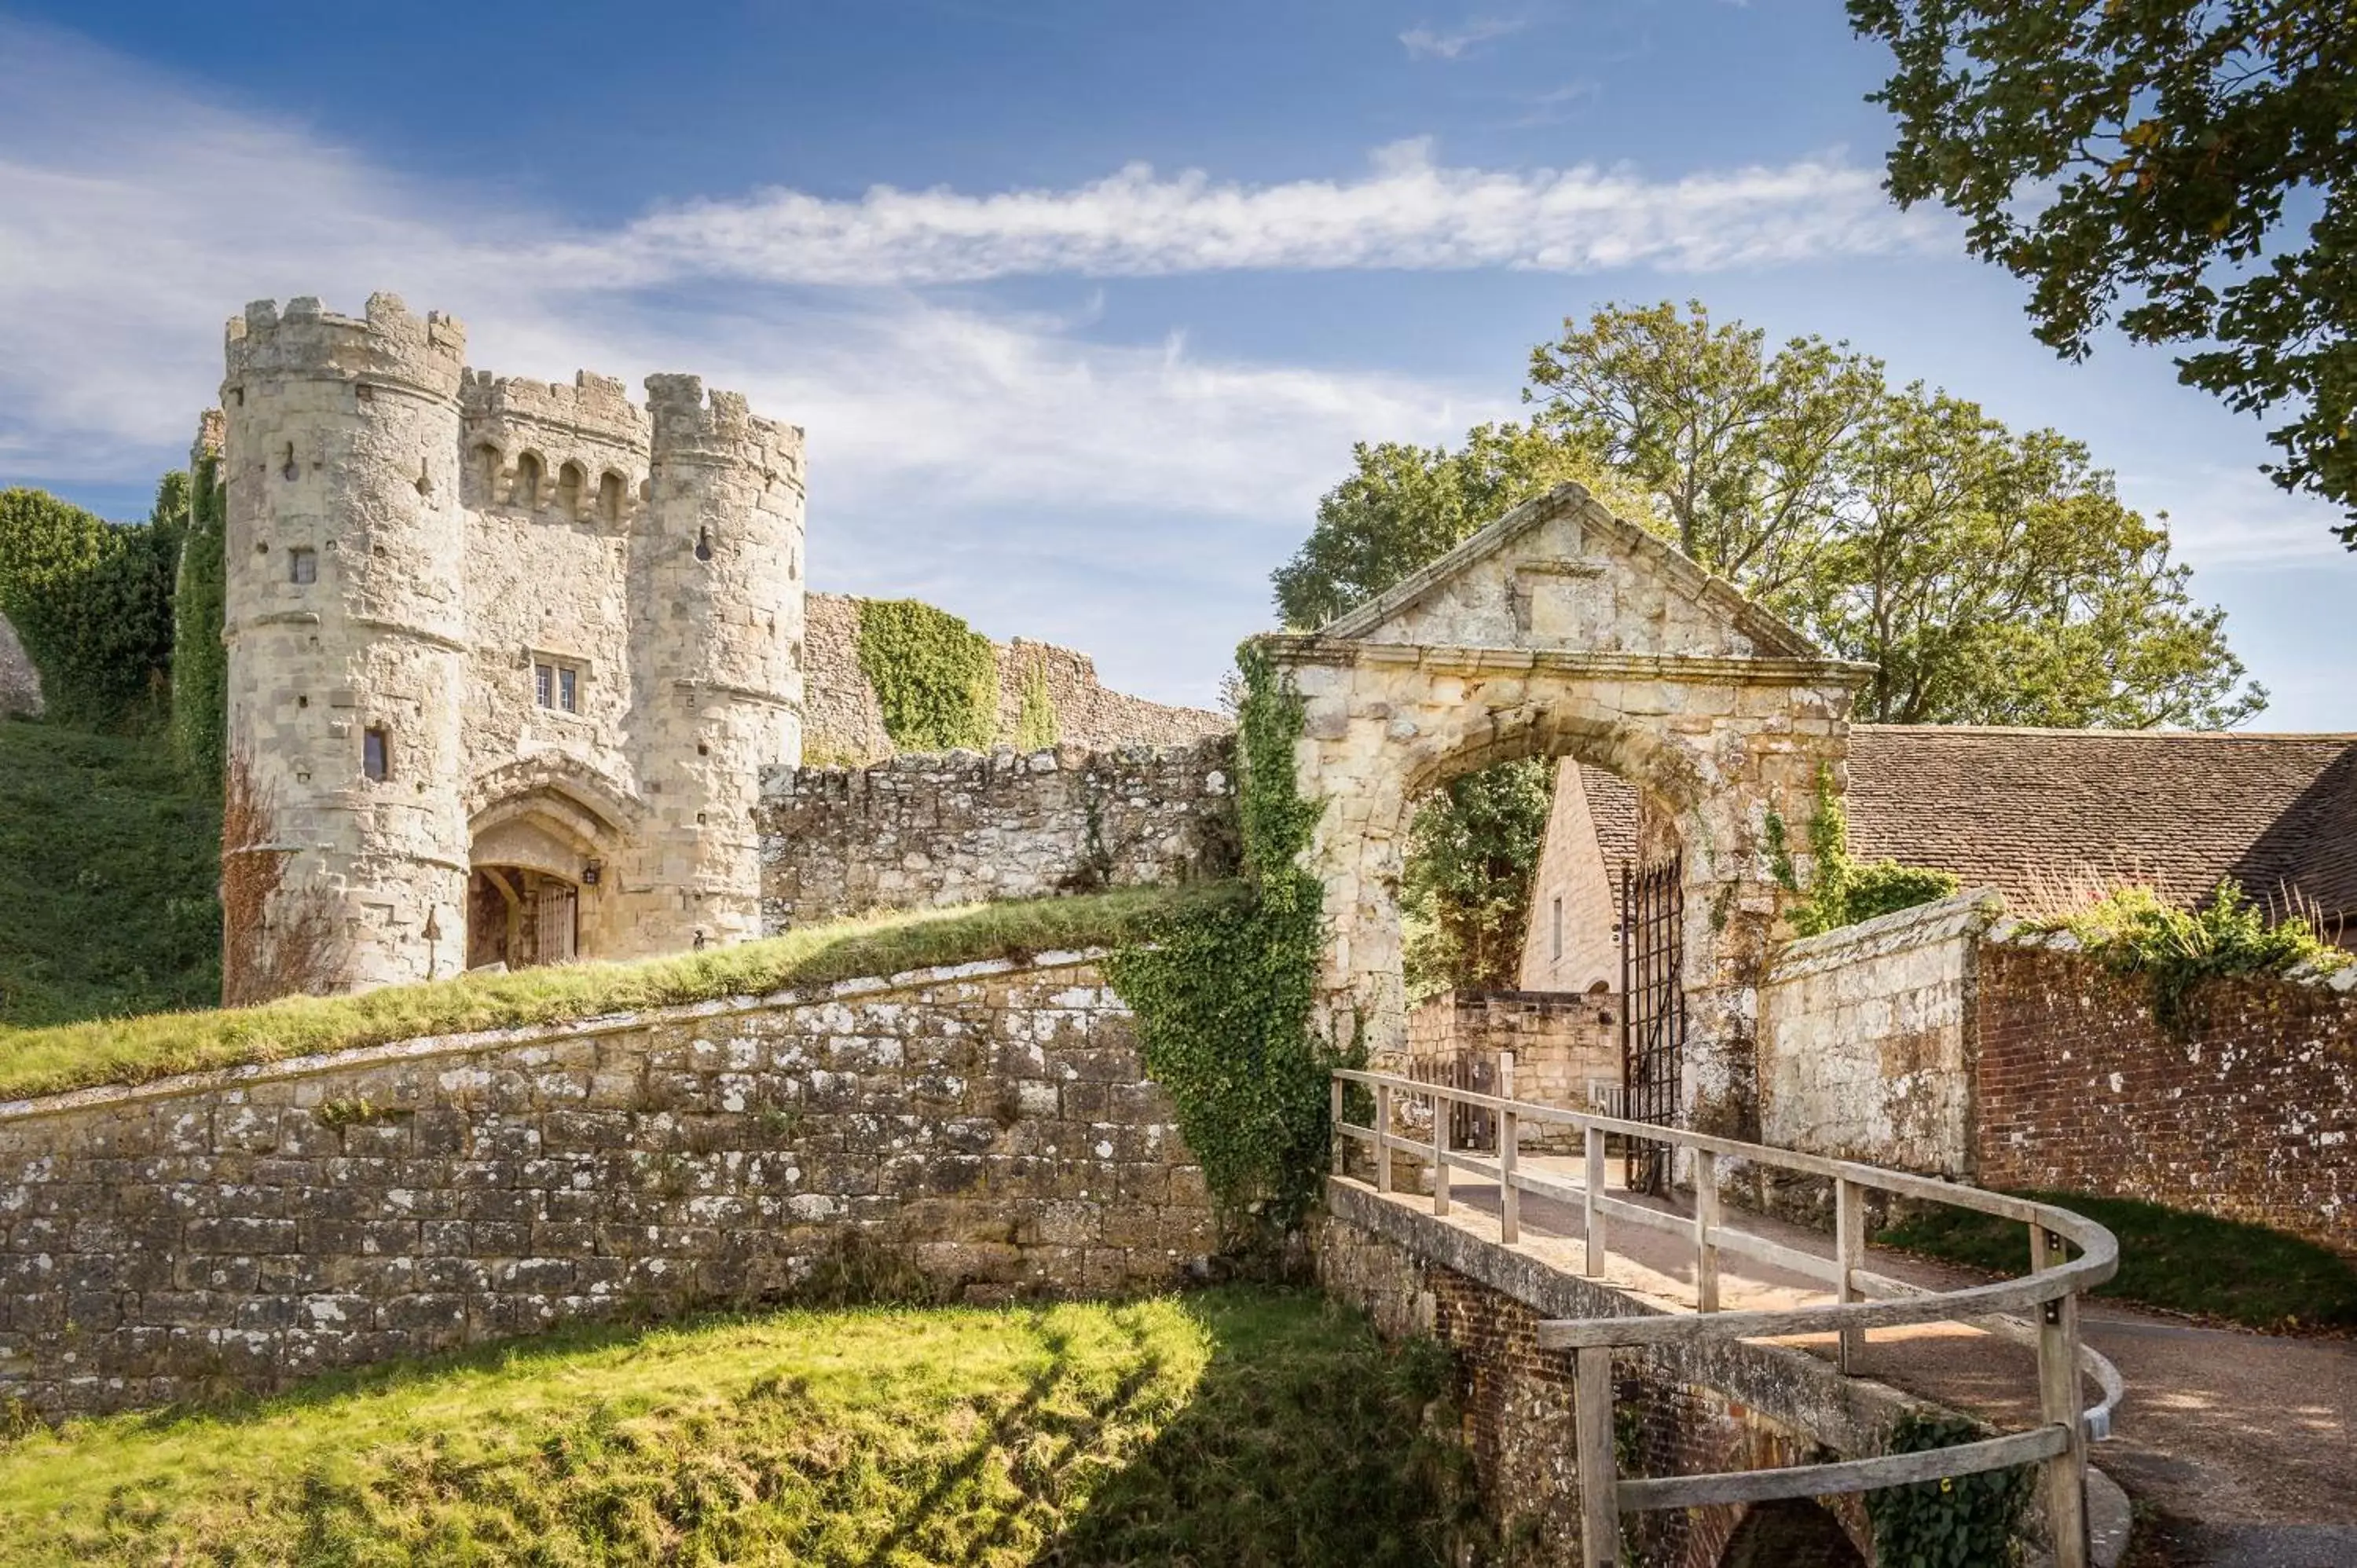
{"x":959,"y":827}
{"x":2252,"y":1117}
{"x":1713,"y":1406}
{"x":988,"y":1125}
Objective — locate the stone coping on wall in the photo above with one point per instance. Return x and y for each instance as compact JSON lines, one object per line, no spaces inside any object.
{"x":427,"y":1046}
{"x":1966,"y":914}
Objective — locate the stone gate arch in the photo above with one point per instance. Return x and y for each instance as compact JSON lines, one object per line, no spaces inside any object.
{"x":1560,"y":631}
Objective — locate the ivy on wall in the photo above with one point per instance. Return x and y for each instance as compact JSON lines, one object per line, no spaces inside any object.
{"x":1845,"y":891}
{"x":92,"y":601}
{"x":935,"y":677}
{"x":1224,"y":994}
{"x":1035,"y":722}
{"x":199,"y":661}
{"x":1961,"y":1521}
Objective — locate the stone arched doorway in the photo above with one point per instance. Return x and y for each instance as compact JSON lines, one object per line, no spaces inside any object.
{"x":540,"y":888}
{"x":1560,"y":631}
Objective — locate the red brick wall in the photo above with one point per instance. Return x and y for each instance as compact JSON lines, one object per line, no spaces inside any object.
{"x":2252,"y":1117}
{"x":1516,"y":1405}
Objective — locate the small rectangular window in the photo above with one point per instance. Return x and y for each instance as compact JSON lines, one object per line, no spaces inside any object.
{"x":302,"y":565}
{"x":375,"y":753}
{"x":1558,"y":929}
{"x":557,"y":686}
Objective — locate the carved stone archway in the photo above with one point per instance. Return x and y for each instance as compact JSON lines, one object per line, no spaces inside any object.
{"x":1560,"y":631}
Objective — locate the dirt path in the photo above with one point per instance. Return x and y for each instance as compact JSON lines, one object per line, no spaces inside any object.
{"x":2246,"y":1443}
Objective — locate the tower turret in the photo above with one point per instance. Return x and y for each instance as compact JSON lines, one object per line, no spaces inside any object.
{"x":345,"y":860}
{"x":717,"y":596}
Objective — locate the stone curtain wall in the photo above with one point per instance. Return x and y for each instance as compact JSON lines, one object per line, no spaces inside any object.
{"x":2253,"y":1117}
{"x":20,"y":683}
{"x":1711,"y":1406}
{"x":1560,"y":1042}
{"x":841,"y":713}
{"x":989,"y":1124}
{"x":959,"y":827}
{"x":1864,"y":1035}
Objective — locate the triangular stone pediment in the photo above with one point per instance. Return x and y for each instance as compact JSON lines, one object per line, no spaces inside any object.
{"x":1562,"y":573}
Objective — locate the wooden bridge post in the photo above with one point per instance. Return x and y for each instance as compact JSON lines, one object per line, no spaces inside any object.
{"x":1334,"y":1124}
{"x":1440,"y":1110}
{"x":1382,"y":1137}
{"x":1592,"y":1265}
{"x":1510,"y":1197}
{"x":1705,"y":1176}
{"x":1849,"y":1253}
{"x":1600,"y":1501}
{"x":2057,"y":1390}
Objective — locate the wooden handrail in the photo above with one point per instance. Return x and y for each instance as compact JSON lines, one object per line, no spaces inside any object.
{"x":2049,"y":1293}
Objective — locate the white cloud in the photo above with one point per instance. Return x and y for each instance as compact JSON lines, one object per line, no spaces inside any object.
{"x":1429,"y":43}
{"x":2226,"y":516}
{"x":1407,"y":213}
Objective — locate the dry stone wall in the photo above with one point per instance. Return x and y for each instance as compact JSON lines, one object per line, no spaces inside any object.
{"x":925,"y":831}
{"x":989,"y":1124}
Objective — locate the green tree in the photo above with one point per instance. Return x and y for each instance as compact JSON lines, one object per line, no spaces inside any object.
{"x":2160,"y":159}
{"x":1996,"y":578}
{"x":1404,"y":505}
{"x":1473,"y":847}
{"x":1737,"y":448}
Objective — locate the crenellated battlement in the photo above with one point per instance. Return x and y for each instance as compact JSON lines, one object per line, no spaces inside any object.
{"x":692,"y":426}
{"x":389,"y":344}
{"x":594,"y":406}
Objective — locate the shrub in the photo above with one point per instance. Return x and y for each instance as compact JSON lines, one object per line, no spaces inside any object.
{"x":1034,"y":725}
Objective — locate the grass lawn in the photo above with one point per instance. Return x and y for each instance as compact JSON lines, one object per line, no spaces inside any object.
{"x":1232,"y":1427}
{"x":131,"y":1051}
{"x":2169,"y":1258}
{"x":108,"y":866}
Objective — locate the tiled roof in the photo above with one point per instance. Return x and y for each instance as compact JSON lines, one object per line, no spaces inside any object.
{"x":2037,"y":813}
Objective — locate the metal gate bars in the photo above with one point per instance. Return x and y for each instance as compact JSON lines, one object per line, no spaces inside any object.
{"x":1652,"y":1010}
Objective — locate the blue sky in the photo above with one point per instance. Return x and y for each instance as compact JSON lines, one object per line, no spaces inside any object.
{"x":1082,"y":303}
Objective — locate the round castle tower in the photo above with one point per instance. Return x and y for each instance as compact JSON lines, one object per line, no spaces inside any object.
{"x":715,"y":592}
{"x":345,"y":852}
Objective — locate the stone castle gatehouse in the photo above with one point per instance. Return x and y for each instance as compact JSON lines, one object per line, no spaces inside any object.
{"x":505,"y":658}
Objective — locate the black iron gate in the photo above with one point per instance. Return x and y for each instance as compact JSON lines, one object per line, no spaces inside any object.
{"x":1653,"y":1009}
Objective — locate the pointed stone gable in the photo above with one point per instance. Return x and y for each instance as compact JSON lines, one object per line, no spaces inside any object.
{"x":1561,"y":573}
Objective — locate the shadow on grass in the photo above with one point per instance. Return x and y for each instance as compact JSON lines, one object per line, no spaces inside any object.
{"x":1306,"y":1442}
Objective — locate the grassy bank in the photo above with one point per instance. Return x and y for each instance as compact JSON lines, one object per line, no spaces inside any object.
{"x":2169,"y":1258}
{"x":1236,"y":1427}
{"x":132,"y":1051}
{"x":107,"y":872}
